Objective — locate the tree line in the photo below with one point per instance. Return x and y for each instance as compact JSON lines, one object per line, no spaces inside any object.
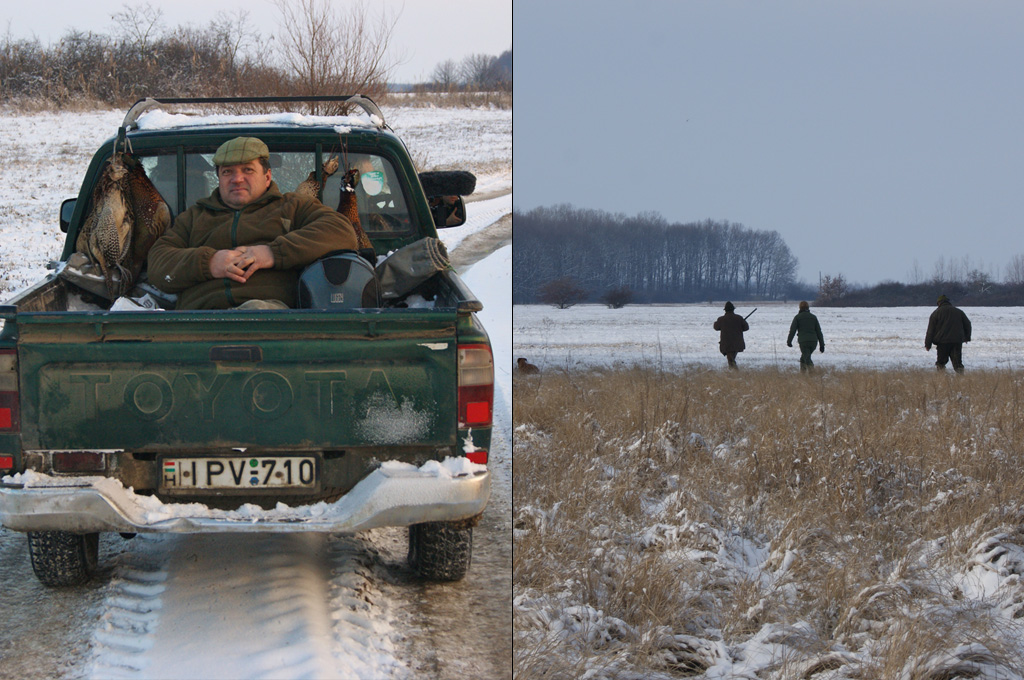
{"x":320,"y":48}
{"x":474,"y":72}
{"x":980,"y":291}
{"x":654,"y":260}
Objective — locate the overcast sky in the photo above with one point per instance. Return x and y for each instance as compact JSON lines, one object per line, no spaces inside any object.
{"x":427,"y":33}
{"x":869,"y":134}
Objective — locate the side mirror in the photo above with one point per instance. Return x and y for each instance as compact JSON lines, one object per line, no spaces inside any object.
{"x":448,"y":183}
{"x":448,"y":211}
{"x":67,"y":210}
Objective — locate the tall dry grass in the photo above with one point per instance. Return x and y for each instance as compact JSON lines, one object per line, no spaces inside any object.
{"x":663,"y":519}
{"x":463,"y":99}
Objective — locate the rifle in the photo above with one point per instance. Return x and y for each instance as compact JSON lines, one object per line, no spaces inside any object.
{"x":748,"y":315}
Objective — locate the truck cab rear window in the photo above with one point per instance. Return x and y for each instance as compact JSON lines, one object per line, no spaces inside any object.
{"x":379,"y":197}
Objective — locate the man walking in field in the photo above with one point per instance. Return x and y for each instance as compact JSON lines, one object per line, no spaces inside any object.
{"x":948,"y":329}
{"x":731,"y":326}
{"x":807,"y":330}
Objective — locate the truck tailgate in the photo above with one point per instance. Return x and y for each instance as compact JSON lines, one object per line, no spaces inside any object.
{"x":167,"y":380}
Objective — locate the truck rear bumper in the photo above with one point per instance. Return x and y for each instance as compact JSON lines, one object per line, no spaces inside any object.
{"x":383,"y":498}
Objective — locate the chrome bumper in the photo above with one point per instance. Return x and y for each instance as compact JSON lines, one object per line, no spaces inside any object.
{"x":384,"y":498}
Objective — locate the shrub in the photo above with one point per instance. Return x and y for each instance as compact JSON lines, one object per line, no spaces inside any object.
{"x":562,"y":292}
{"x":617,"y":298}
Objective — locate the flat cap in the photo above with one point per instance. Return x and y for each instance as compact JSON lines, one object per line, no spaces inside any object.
{"x":240,"y":150}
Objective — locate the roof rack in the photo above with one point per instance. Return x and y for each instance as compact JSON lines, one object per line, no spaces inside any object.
{"x":141,"y":106}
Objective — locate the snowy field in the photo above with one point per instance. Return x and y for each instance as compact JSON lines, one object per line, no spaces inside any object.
{"x":296,"y":606}
{"x":682,"y":335}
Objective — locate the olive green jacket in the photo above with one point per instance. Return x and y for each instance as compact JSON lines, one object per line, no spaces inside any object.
{"x":806,"y":328}
{"x":298,"y":229}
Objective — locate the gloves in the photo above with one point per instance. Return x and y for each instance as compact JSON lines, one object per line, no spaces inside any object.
{"x":928,"y":348}
{"x":789,"y":343}
{"x":821,"y":348}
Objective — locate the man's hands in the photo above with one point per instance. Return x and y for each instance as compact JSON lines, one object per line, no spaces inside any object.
{"x":240,"y":263}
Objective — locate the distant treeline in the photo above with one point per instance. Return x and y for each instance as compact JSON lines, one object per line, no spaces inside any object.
{"x":894,"y":294}
{"x":958,"y":278}
{"x":657,"y":261}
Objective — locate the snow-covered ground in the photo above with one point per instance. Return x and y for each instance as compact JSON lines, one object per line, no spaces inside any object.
{"x":291,"y":606}
{"x":671,"y":336}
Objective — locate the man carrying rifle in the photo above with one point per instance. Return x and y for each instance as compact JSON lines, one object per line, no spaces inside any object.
{"x":731,"y":326}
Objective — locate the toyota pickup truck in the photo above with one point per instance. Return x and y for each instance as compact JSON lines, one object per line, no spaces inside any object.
{"x":130,"y":416}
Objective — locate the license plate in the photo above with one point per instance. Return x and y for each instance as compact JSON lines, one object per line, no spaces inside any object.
{"x":212,"y":472}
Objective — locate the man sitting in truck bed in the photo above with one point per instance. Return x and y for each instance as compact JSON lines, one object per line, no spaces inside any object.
{"x":242,"y":245}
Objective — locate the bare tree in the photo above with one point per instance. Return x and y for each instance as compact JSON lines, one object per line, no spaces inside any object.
{"x":1015,"y":270}
{"x":915,"y":275}
{"x":328,"y":51}
{"x":480,"y":71}
{"x":235,"y":36}
{"x":445,"y":75}
{"x":139,"y":25}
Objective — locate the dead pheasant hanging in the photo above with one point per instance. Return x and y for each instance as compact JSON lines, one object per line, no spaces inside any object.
{"x":127,"y":216}
{"x":347,"y":205}
{"x":310,"y":186}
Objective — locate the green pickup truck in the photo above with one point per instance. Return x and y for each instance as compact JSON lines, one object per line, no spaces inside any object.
{"x":137,"y":417}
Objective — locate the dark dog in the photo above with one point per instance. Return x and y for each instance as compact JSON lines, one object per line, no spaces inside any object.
{"x":525,"y":367}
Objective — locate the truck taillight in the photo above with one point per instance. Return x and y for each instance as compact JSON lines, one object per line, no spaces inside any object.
{"x":476,"y":386}
{"x":9,"y":419}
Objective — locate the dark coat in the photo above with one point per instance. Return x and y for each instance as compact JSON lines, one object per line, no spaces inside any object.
{"x":731,"y":326}
{"x":297,"y":228}
{"x":806,"y":328}
{"x":947,"y":324}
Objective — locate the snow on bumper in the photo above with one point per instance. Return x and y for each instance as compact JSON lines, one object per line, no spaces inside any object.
{"x":396,"y":494}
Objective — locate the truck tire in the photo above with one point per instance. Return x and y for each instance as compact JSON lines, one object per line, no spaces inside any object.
{"x":441,"y":551}
{"x":61,"y":558}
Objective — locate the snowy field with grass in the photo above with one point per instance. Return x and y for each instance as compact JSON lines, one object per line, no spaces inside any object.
{"x":673,"y":518}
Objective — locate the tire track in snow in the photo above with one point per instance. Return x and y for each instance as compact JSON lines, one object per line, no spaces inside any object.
{"x":368,"y":644}
{"x":275,"y":606}
{"x":130,"y":611}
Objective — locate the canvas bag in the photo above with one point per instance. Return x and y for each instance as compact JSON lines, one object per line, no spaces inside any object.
{"x":408,"y":267}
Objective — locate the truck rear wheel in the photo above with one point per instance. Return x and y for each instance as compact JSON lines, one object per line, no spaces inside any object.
{"x":61,"y":558}
{"x":441,"y":551}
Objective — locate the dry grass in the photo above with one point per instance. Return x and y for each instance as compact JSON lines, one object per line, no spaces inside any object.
{"x":27,"y":105}
{"x":661,"y":519}
{"x":453,"y":100}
